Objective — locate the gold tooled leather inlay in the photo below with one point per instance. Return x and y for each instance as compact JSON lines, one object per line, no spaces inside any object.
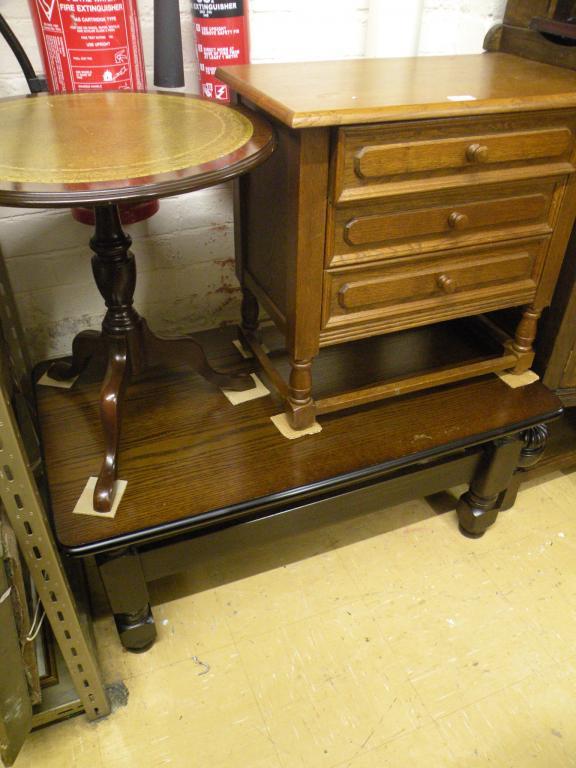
{"x":76,"y":138}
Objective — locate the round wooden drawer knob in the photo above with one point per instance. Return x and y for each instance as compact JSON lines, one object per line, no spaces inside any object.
{"x":458,"y":220}
{"x":446,"y":284}
{"x":477,"y":153}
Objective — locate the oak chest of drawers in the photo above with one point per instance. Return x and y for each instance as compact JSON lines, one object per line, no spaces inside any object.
{"x":404,"y":193}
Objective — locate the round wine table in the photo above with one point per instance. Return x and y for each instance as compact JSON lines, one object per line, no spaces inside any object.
{"x":97,"y":150}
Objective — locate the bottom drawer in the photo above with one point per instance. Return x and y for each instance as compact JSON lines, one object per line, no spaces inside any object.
{"x":427,"y":289}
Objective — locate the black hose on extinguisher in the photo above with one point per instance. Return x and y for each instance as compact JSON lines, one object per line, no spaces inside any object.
{"x":35,"y":84}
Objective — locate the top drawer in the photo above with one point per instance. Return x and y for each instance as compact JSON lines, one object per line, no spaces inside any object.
{"x":376,"y":161}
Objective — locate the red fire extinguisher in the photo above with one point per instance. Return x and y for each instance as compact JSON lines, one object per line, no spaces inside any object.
{"x":93,"y":45}
{"x":89,"y":46}
{"x":222,"y":37}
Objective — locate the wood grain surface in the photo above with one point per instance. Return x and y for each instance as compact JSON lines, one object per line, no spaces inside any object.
{"x":307,"y":94}
{"x":192,"y":459}
{"x":437,"y":155}
{"x":404,"y":293}
{"x":381,"y":229}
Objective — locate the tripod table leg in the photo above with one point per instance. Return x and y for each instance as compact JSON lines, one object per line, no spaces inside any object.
{"x":111,"y":401}
{"x":165,"y":351}
{"x":84,"y":346}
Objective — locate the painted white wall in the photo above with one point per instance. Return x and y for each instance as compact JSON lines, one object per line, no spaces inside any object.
{"x":185,"y":253}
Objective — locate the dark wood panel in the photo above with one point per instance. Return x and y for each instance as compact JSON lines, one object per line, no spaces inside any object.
{"x":269,"y":220}
{"x":519,"y":13}
{"x":191,"y":458}
{"x":557,"y":338}
{"x":166,"y":558}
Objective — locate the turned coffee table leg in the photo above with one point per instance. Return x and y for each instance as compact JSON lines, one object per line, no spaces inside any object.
{"x":129,"y":600}
{"x":478,"y":508}
{"x":534,"y":442}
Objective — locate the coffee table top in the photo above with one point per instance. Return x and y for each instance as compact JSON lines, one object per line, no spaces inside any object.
{"x":194,"y":461}
{"x":62,"y":150}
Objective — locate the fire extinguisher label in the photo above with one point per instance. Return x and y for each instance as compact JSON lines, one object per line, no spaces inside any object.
{"x":218,"y":9}
{"x":221,"y":28}
{"x":91,"y":45}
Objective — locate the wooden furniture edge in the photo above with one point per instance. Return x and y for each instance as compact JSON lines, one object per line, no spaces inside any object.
{"x":358,"y":116}
{"x":291,"y":498}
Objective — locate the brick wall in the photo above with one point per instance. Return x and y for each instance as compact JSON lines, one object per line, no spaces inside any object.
{"x":185,"y":253}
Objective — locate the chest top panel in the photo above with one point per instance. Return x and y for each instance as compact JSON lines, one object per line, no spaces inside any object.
{"x":308,"y":94}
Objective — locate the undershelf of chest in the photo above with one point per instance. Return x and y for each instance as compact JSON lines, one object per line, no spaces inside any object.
{"x":473,"y":344}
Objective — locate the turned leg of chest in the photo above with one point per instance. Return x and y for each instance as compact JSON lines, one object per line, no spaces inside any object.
{"x":300,"y":407}
{"x":524,"y":338}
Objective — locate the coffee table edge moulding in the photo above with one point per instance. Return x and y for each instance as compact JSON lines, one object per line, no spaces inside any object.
{"x":548,"y":408}
{"x":290,"y":115}
{"x":286,"y":500}
{"x":258,"y":148}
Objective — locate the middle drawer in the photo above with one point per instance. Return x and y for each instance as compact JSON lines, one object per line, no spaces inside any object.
{"x":392,"y":228}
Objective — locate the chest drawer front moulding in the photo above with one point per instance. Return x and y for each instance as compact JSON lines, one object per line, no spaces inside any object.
{"x":425,"y":290}
{"x":388,"y":228}
{"x":406,"y":209}
{"x":367,"y":229}
{"x":380,"y":160}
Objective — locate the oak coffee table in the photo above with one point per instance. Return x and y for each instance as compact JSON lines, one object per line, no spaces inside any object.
{"x":196,"y":464}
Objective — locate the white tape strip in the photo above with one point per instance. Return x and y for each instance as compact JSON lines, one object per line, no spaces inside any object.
{"x":283,"y":426}
{"x":85,"y":504}
{"x":237,"y":398}
{"x":6,"y":595}
{"x":47,"y":381}
{"x":516,"y":380}
{"x":247,"y":353}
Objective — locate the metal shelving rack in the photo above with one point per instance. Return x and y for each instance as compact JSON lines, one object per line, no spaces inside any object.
{"x":25,"y":510}
{"x":20,"y":466}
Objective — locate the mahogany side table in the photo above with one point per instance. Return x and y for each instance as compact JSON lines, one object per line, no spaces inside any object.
{"x":97,"y":150}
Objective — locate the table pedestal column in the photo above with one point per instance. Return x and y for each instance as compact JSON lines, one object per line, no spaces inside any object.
{"x":130,"y":346}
